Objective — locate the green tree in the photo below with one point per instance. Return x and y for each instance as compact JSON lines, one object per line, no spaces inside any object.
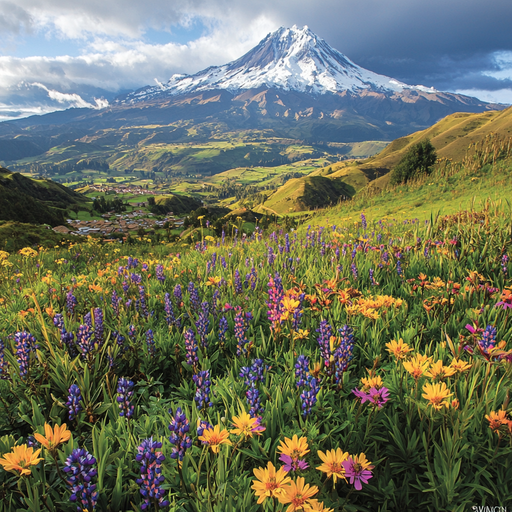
{"x":419,"y":159}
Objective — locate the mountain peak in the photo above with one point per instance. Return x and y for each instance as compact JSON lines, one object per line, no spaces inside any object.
{"x":292,"y":59}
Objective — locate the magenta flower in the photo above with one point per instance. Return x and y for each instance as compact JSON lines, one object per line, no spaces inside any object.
{"x":293,"y":464}
{"x":362,"y":395}
{"x":378,"y":396}
{"x":358,"y":470}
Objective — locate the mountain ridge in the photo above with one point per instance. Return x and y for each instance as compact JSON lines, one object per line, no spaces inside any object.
{"x":289,"y":59}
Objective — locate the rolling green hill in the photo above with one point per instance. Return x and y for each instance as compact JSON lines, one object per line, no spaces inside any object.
{"x":304,"y":194}
{"x":35,"y":201}
{"x":451,"y":137}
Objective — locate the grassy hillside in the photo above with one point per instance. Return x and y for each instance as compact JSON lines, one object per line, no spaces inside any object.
{"x":483,"y":175}
{"x":35,"y":201}
{"x":303,"y":194}
{"x":16,"y":235}
{"x":451,"y":137}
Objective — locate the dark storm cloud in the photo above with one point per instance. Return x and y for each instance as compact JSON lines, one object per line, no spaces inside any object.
{"x":414,"y":40}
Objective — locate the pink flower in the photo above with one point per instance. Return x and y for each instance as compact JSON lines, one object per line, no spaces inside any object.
{"x":358,"y":470}
{"x":293,"y":464}
{"x":379,"y":396}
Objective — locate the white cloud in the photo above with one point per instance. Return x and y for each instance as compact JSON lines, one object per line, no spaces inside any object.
{"x":71,"y":100}
{"x":117,"y":53}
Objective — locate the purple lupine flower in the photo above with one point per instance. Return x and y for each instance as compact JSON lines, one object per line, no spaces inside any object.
{"x":363,"y":222}
{"x":202,"y":425}
{"x":215,"y":303}
{"x":251,"y":279}
{"x":194,"y":296}
{"x":504,"y":262}
{"x":179,"y":427}
{"x":308,"y":396}
{"x":142,"y":302}
{"x":4,"y":371}
{"x":151,"y":478}
{"x":80,"y":471}
{"x":132,"y":332}
{"x":203,"y":323}
{"x":223,"y":327}
{"x":159,"y":272}
{"x":120,"y":340}
{"x":150,"y":343}
{"x":25,"y":345}
{"x":301,"y":371}
{"x":178,"y":293}
{"x":84,"y":340}
{"x":170,"y":318}
{"x":238,"y":282}
{"x":254,"y":373}
{"x":297,"y":314}
{"x":74,"y":402}
{"x":271,"y":256}
{"x":254,"y":401}
{"x":324,"y":341}
{"x":98,"y":326}
{"x":115,"y":302}
{"x":71,"y":302}
{"x":135,"y":278}
{"x":124,"y":395}
{"x":191,"y":348}
{"x":88,"y":320}
{"x":488,"y":339}
{"x":240,"y":329}
{"x":132,"y":262}
{"x":353,"y":268}
{"x":343,"y":352}
{"x":58,"y":321}
{"x":275,"y":302}
{"x":203,"y":383}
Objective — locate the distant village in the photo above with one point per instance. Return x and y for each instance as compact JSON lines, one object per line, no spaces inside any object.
{"x":118,"y":223}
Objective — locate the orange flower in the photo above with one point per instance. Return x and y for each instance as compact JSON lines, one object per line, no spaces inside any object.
{"x":214,"y":437}
{"x":297,"y":494}
{"x":497,"y":419}
{"x":53,"y":438}
{"x":318,"y":506}
{"x":20,"y":459}
{"x":246,"y":426}
{"x":398,"y":348}
{"x":417,"y":366}
{"x":333,"y":463}
{"x":295,"y":448}
{"x":438,"y":371}
{"x":270,"y":483}
{"x":436,"y":395}
{"x":460,"y":366}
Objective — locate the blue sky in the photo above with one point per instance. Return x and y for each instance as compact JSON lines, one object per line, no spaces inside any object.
{"x":55,"y":54}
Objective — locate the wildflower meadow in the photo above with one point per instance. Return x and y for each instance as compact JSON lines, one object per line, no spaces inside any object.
{"x":361,"y":365}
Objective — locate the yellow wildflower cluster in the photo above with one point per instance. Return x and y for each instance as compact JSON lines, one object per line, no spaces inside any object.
{"x":28,"y":252}
{"x":373,"y":307}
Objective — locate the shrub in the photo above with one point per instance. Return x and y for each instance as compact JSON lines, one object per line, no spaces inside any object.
{"x":419,"y":159}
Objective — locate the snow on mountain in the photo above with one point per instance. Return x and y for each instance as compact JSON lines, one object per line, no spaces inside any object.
{"x":290,"y":59}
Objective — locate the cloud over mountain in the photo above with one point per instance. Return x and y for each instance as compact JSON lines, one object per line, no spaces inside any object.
{"x":123,"y":44}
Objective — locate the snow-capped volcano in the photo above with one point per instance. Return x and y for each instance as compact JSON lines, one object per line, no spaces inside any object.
{"x":293,"y":59}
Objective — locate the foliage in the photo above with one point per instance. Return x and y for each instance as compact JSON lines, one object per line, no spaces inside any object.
{"x":419,"y":159}
{"x":223,"y":322}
